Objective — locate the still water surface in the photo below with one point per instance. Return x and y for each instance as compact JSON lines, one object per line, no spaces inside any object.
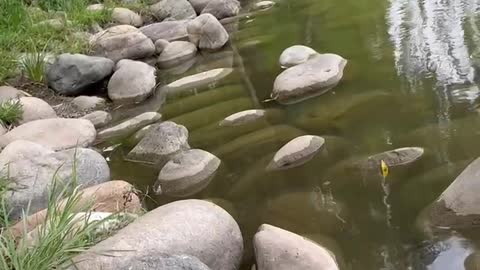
{"x":410,"y":81}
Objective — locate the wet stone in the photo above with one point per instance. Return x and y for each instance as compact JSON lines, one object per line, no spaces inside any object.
{"x":296,"y":152}
{"x":243,"y":117}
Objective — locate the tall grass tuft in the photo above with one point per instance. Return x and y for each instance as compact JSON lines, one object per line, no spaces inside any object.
{"x":10,"y":112}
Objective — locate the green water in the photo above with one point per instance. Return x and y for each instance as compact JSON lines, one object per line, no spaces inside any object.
{"x":410,"y":81}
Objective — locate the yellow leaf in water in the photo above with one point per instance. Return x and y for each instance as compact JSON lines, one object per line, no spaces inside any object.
{"x":384,"y":168}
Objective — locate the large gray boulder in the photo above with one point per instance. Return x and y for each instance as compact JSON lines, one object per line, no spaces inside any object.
{"x":296,"y":55}
{"x":129,"y":126}
{"x":71,"y":74}
{"x":187,"y":173}
{"x":122,"y":42}
{"x":296,"y":152}
{"x":35,"y":109}
{"x":147,"y":261}
{"x":278,"y":249}
{"x":199,"y":5}
{"x":132,"y":82}
{"x":191,"y":227}
{"x":222,"y":8}
{"x":207,"y":32}
{"x":167,"y":30}
{"x":312,"y":78}
{"x":175,"y":53}
{"x":54,"y":133}
{"x":126,"y":16}
{"x":161,"y":143}
{"x":173,"y":10}
{"x":32,"y":167}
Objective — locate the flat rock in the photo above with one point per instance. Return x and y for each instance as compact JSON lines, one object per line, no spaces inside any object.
{"x":88,"y":103}
{"x":98,"y":118}
{"x":126,"y":16}
{"x":173,"y":10}
{"x":160,"y":45}
{"x":264,"y":4}
{"x":312,"y":78}
{"x":32,"y":167}
{"x":199,"y":5}
{"x":167,"y":30}
{"x":296,"y":55}
{"x":132,"y":82}
{"x":161,"y":143}
{"x":35,"y":109}
{"x":175,"y":53}
{"x":8,"y":93}
{"x":164,"y":261}
{"x":71,"y":74}
{"x":198,"y":80}
{"x":206,"y":32}
{"x":122,"y":42}
{"x":243,"y":117}
{"x":279,"y":249}
{"x":192,"y":227}
{"x":187,"y":173}
{"x":296,"y":152}
{"x":54,"y":133}
{"x":222,"y":8}
{"x":129,"y":126}
{"x":393,"y":158}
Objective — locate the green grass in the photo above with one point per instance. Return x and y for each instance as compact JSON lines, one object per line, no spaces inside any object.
{"x":10,"y":112}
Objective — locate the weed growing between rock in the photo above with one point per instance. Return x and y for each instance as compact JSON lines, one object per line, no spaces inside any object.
{"x":10,"y":112}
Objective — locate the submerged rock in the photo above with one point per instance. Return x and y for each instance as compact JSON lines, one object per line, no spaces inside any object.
{"x":393,"y":158}
{"x":198,"y":80}
{"x":132,"y":82}
{"x":129,"y":126}
{"x":145,"y":261}
{"x":175,"y":53}
{"x":54,"y":133}
{"x":243,"y":117}
{"x":222,"y":8}
{"x":309,"y":79}
{"x":71,"y":74}
{"x":167,"y":30}
{"x":264,"y":4}
{"x":193,"y":227}
{"x":279,"y":249}
{"x":187,"y":173}
{"x":161,"y":143}
{"x":35,"y":109}
{"x":296,"y":152}
{"x":173,"y":10}
{"x":122,"y":42}
{"x":32,"y":168}
{"x":296,"y":55}
{"x":126,"y":16}
{"x":207,"y":32}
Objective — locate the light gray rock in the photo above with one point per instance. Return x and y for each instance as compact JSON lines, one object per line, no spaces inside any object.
{"x":392,"y":158}
{"x":163,"y":261}
{"x":199,"y":5}
{"x":264,"y":4}
{"x":278,"y":249}
{"x":175,"y":53}
{"x":160,"y":45}
{"x":139,"y":135}
{"x":187,"y":173}
{"x":54,"y":133}
{"x":222,"y":8}
{"x":71,"y":74}
{"x":8,"y":93}
{"x":207,"y":32}
{"x":132,"y":82}
{"x":122,"y":42}
{"x":243,"y":117}
{"x":296,"y":152}
{"x":3,"y":129}
{"x":161,"y":143}
{"x":129,"y":126}
{"x":296,"y":55}
{"x":88,"y":102}
{"x":35,"y":109}
{"x":173,"y":9}
{"x":312,"y":78}
{"x":126,"y":16}
{"x":197,"y":80}
{"x":32,"y":167}
{"x":167,"y":30}
{"x":192,"y":227}
{"x":99,"y":118}
{"x":96,"y":7}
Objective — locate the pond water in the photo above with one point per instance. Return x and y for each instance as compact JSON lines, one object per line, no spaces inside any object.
{"x":410,"y":81}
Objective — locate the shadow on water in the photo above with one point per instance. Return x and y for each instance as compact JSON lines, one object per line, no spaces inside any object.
{"x":410,"y":81}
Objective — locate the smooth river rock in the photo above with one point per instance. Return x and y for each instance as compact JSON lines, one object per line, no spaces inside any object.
{"x":160,"y":45}
{"x":129,"y":126}
{"x":296,"y":152}
{"x":312,"y":78}
{"x":161,"y":143}
{"x":32,"y":167}
{"x":199,"y":80}
{"x":88,"y":103}
{"x":35,"y":109}
{"x":296,"y":55}
{"x":126,"y":16}
{"x":173,"y":10}
{"x":167,"y":30}
{"x":393,"y":158}
{"x":243,"y":117}
{"x":187,"y":173}
{"x":98,"y":118}
{"x":191,"y":227}
{"x":207,"y":32}
{"x":132,"y":82}
{"x":264,"y":4}
{"x":54,"y":133}
{"x":122,"y":42}
{"x":175,"y":53}
{"x":71,"y":74}
{"x":222,"y":8}
{"x":146,"y":261}
{"x":278,"y":249}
